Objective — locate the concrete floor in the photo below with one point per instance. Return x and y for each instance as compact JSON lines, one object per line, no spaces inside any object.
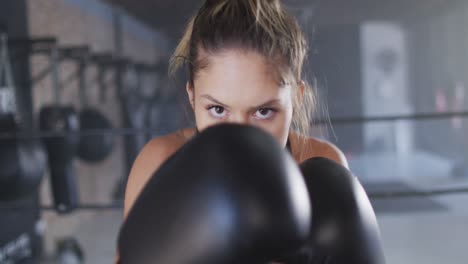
{"x":428,"y":237}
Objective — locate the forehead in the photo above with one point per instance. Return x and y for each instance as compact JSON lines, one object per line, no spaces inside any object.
{"x":237,"y":74}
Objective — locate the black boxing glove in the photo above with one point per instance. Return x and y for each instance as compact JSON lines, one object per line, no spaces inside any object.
{"x":345,"y":229}
{"x":230,"y":195}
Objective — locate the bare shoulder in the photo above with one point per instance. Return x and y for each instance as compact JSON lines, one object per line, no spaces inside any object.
{"x":150,"y":158}
{"x":328,"y":150}
{"x":310,"y":147}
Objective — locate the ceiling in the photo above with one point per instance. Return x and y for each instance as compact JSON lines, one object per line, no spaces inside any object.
{"x":170,"y":16}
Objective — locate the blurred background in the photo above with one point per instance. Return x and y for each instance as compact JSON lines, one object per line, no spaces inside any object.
{"x":84,"y":85}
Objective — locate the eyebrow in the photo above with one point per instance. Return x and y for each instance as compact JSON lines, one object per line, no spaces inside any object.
{"x":270,"y":102}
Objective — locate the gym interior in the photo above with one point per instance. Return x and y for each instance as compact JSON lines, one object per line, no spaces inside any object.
{"x":392,"y":84}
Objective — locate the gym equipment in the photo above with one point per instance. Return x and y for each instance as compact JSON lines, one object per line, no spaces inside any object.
{"x":69,"y":252}
{"x":23,"y":163}
{"x":133,"y":110}
{"x":92,"y":148}
{"x":344,"y":225}
{"x":61,"y":148}
{"x":242,"y":200}
{"x":236,"y":197}
{"x":23,"y":160}
{"x":104,"y":62}
{"x":157,"y":115}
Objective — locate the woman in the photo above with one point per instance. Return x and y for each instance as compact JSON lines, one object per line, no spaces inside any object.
{"x":245,"y":60}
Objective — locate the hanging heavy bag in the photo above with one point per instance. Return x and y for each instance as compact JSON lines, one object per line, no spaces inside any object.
{"x":61,"y":149}
{"x":23,"y":162}
{"x":62,"y":145}
{"x":94,"y":147}
{"x":22,"y":159}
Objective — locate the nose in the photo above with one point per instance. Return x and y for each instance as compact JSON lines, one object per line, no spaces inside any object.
{"x":240,"y":119}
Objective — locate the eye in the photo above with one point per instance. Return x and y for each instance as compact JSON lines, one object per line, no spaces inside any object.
{"x":217,"y":111}
{"x":265,"y":113}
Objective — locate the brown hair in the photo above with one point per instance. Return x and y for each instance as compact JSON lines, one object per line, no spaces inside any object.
{"x":263,"y":26}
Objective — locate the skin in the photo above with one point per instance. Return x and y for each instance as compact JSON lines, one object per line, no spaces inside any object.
{"x":236,"y":87}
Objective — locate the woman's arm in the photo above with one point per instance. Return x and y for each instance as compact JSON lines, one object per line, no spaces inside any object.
{"x":153,"y":154}
{"x":147,"y":161}
{"x":313,"y":147}
{"x":332,"y":152}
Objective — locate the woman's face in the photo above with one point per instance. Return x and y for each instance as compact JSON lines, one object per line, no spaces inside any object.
{"x":240,"y":87}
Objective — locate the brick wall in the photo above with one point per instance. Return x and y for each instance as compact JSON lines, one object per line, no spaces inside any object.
{"x":87,"y":22}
